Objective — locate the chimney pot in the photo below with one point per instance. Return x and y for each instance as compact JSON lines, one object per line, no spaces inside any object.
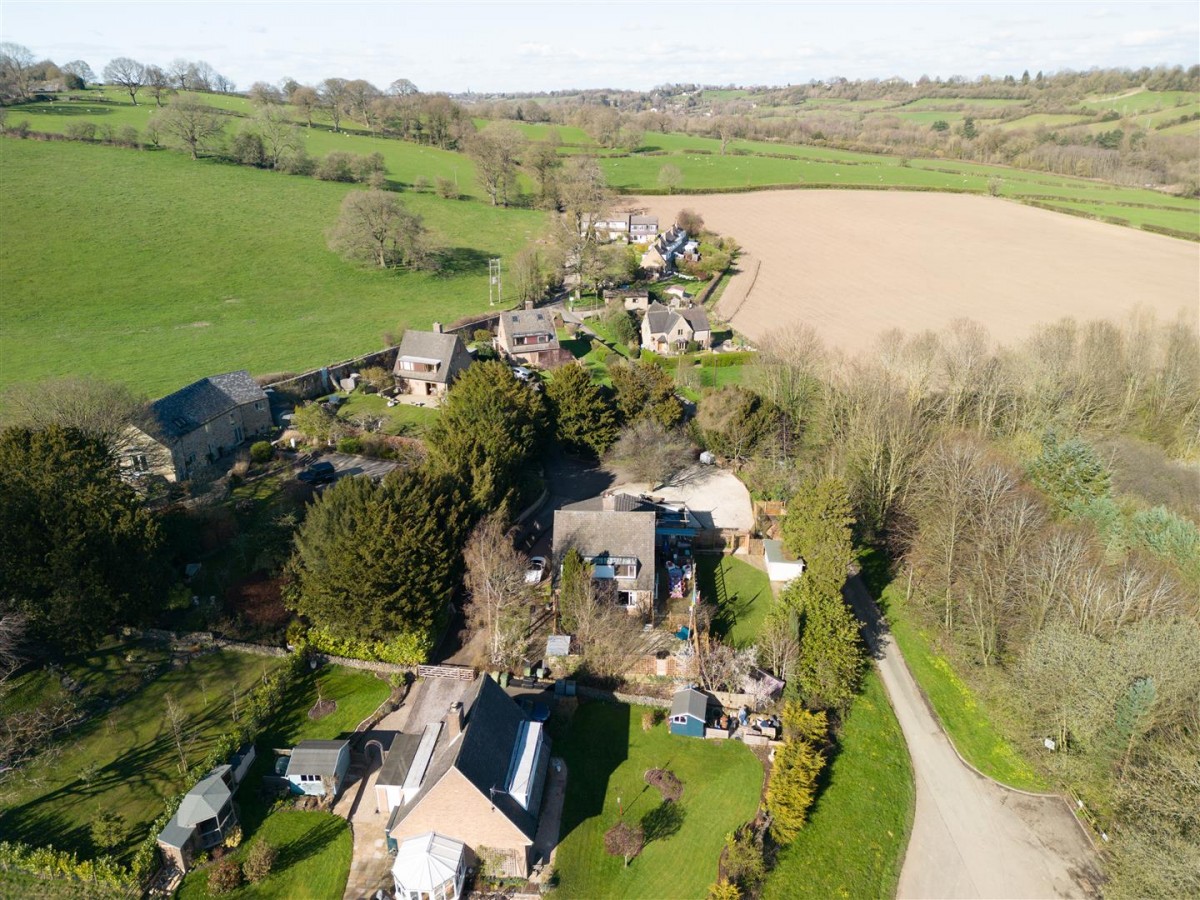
{"x":529,"y":304}
{"x":437,"y":327}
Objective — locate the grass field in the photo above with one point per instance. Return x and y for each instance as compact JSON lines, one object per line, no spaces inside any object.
{"x":854,"y":842}
{"x":313,"y":863}
{"x":742,"y":595}
{"x":607,"y":754}
{"x":124,"y":761}
{"x":156,"y":270}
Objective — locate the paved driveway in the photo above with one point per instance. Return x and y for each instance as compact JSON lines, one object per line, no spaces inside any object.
{"x":717,"y":497}
{"x":972,"y":837}
{"x":348,"y":464}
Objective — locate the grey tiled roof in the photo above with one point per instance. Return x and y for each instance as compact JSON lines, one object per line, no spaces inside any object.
{"x":202,"y":401}
{"x":659,"y":318}
{"x":204,"y":801}
{"x":447,"y":349}
{"x":621,"y":503}
{"x":398,"y":760}
{"x":315,"y":757}
{"x":689,"y":702}
{"x":696,"y":317}
{"x":481,"y":753}
{"x":612,"y":533}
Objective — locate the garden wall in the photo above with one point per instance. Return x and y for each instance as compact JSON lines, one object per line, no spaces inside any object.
{"x":320,"y":382}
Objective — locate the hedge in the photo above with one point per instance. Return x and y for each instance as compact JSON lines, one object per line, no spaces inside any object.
{"x":409,"y":649}
{"x":103,"y":875}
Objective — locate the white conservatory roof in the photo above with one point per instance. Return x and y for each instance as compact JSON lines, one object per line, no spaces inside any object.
{"x":426,"y":861}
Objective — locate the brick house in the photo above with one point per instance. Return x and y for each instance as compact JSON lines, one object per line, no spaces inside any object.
{"x":671,"y":330}
{"x":476,"y":777}
{"x":428,"y":362}
{"x":195,"y":426}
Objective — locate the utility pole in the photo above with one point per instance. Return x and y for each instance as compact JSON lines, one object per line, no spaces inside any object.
{"x":495,"y":288}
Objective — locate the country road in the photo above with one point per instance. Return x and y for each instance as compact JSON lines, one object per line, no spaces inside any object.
{"x":971,"y":837}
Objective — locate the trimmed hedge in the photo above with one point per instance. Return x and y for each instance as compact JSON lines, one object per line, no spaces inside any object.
{"x":403,"y":650}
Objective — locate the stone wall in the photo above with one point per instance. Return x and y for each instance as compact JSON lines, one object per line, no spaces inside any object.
{"x":320,"y":382}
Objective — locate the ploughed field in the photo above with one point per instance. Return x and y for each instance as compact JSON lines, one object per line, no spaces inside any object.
{"x":853,"y":264}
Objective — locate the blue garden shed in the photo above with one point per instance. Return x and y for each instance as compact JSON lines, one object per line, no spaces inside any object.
{"x":688,"y":710}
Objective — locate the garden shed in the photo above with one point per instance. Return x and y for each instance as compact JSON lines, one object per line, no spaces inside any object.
{"x":781,"y":565}
{"x":688,"y":711}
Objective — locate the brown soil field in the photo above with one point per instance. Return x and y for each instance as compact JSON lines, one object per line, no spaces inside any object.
{"x":853,"y":264}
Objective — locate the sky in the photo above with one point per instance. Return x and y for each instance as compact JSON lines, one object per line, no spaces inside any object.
{"x":541,"y":46}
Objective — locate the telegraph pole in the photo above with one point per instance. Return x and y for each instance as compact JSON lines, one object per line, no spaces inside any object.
{"x":495,"y":288}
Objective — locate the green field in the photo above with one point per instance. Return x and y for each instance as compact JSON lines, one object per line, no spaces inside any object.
{"x":854,"y":842}
{"x":607,"y":754}
{"x":124,"y":761}
{"x":1050,"y":120}
{"x":156,"y":270}
{"x":1141,"y":101}
{"x":742,"y":595}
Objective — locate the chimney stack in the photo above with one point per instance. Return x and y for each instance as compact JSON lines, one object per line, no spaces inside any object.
{"x":437,"y":327}
{"x":608,"y":501}
{"x":454,"y":721}
{"x":529,"y":304}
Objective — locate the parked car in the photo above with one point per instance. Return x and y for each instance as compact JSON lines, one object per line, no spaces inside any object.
{"x":522,"y":373}
{"x":318,"y":473}
{"x":536,"y":570}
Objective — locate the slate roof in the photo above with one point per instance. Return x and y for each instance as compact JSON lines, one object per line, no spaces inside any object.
{"x":518,"y":322}
{"x":481,"y":753}
{"x":315,"y":758}
{"x":446,"y":349}
{"x":398,"y":760}
{"x":204,"y":801}
{"x":664,"y":321}
{"x":600,"y":532}
{"x":690,"y":702}
{"x":202,"y":401}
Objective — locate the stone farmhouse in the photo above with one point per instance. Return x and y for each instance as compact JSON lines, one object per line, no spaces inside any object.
{"x":477,"y":777}
{"x":629,"y":229}
{"x":195,"y":426}
{"x":528,"y":335}
{"x":659,"y":258}
{"x":428,"y":362}
{"x":672,"y":330}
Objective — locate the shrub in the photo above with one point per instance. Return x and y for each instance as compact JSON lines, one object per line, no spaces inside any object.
{"x":446,"y":189}
{"x":635,"y":351}
{"x":298,"y":163}
{"x":336,"y":166}
{"x":127,"y":136}
{"x":349,"y":445}
{"x":224,"y":877}
{"x":81,"y":131}
{"x":422,"y":184}
{"x":234,"y":838}
{"x":107,"y":829}
{"x":261,"y":451}
{"x":482,"y":336}
{"x":404,"y":649}
{"x":259,"y":861}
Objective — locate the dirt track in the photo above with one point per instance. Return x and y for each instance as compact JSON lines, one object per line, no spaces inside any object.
{"x":856,"y":263}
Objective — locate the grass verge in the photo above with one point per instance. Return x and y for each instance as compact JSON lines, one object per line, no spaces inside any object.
{"x":607,"y":754}
{"x":854,"y":842}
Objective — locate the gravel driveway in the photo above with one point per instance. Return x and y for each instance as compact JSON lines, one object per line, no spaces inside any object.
{"x":972,"y":837}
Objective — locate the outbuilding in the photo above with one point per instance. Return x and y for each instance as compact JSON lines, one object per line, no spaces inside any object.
{"x":781,"y":565}
{"x":689,"y":709}
{"x":318,"y":767}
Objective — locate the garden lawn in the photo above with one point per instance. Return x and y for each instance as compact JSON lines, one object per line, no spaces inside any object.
{"x":741,"y":592}
{"x":403,"y":418}
{"x":313,"y":863}
{"x":607,"y":755}
{"x":153,"y":269}
{"x":857,"y":832}
{"x":966,"y":721}
{"x":124,"y":761}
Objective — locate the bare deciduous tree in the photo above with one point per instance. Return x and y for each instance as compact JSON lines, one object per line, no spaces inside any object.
{"x":128,"y":73}
{"x":193,"y":124}
{"x":376,"y":226}
{"x":500,"y":596}
{"x":99,"y":408}
{"x":648,"y":452}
